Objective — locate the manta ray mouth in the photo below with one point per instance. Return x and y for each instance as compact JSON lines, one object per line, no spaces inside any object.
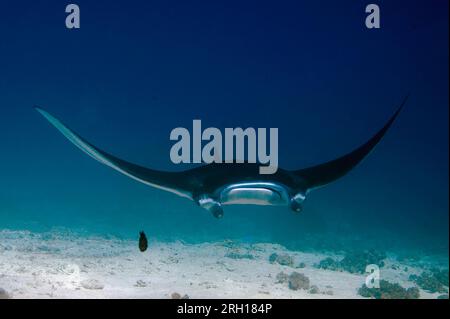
{"x":254,"y":193}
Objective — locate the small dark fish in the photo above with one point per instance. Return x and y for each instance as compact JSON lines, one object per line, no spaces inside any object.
{"x":143,"y":244}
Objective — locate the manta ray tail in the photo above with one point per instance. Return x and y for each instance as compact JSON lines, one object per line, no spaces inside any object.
{"x":328,"y":172}
{"x":170,"y":181}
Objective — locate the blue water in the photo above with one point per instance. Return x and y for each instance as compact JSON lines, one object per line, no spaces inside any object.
{"x":137,"y":69}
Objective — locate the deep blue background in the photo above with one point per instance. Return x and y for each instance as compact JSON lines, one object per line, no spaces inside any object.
{"x":137,"y":69}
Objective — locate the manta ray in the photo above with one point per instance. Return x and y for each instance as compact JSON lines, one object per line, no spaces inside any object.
{"x":214,"y":185}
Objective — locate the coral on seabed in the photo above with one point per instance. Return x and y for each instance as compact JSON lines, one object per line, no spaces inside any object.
{"x":389,"y":290}
{"x":282,"y":277}
{"x":273,"y":258}
{"x":298,"y":281}
{"x":314,"y":289}
{"x":91,"y":284}
{"x":140,"y":283}
{"x":239,"y":255}
{"x":284,"y":259}
{"x":229,"y":243}
{"x":329,"y":264}
{"x":432,"y":281}
{"x":354,"y":262}
{"x":4,"y":294}
{"x":176,"y":295}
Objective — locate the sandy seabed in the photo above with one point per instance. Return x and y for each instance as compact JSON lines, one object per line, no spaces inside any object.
{"x":66,"y":265}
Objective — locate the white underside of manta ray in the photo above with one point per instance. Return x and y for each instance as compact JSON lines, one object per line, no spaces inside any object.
{"x":214,"y":185}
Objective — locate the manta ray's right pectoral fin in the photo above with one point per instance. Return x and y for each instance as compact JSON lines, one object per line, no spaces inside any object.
{"x":328,"y":172}
{"x":174,"y":182}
